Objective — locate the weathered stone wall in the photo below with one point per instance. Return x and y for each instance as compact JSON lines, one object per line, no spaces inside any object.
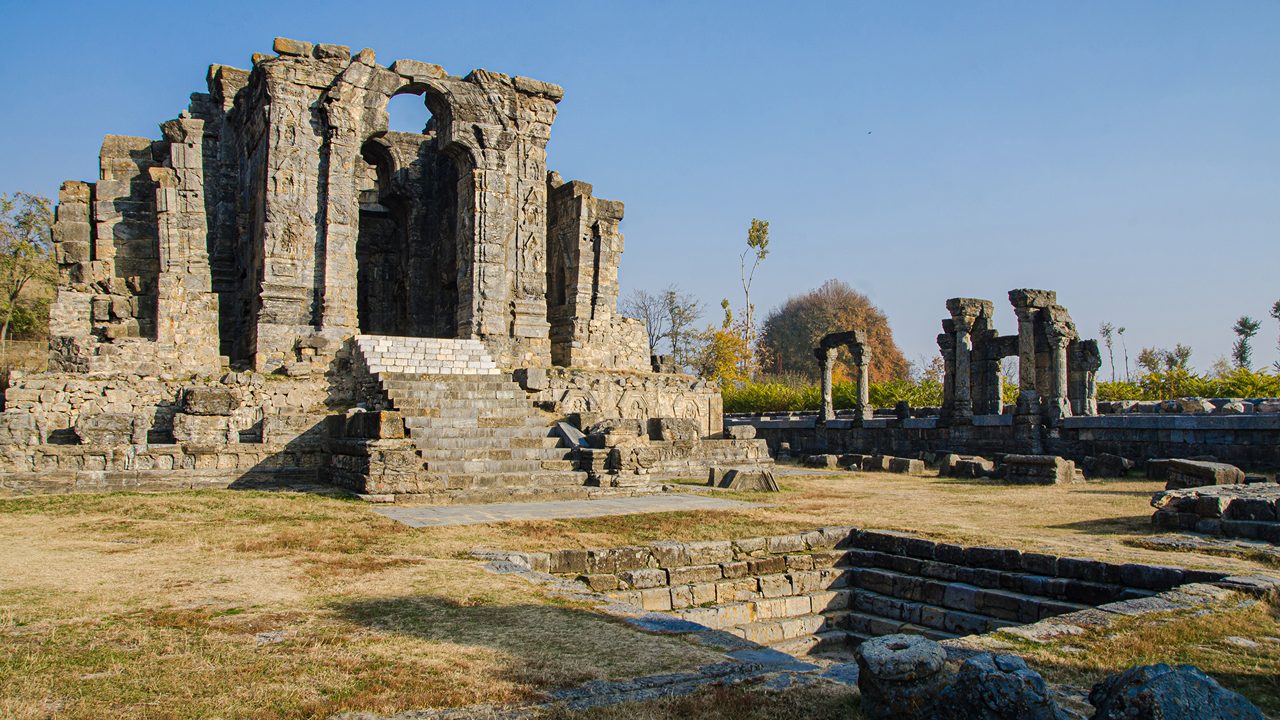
{"x":1250,"y":441}
{"x":583,"y":253}
{"x":601,"y":395}
{"x":778,"y":590}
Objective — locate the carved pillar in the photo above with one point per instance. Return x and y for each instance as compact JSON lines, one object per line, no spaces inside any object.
{"x":964,"y":314}
{"x":862,"y":368}
{"x":1058,"y":405}
{"x":1028,"y":398}
{"x":947,"y":346}
{"x":826,"y":359}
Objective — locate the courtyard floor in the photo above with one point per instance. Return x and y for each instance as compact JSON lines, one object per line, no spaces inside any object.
{"x":223,"y":604}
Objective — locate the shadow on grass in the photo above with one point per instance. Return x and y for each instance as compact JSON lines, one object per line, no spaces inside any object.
{"x":548,"y":647}
{"x":1126,"y":525}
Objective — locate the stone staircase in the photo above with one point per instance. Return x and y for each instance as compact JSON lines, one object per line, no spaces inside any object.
{"x":473,"y":426}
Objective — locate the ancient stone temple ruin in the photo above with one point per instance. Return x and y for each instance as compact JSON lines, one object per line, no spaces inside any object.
{"x":1056,"y":369}
{"x":279,"y":284}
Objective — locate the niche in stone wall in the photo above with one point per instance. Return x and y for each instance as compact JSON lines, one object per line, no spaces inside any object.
{"x":406,"y":253}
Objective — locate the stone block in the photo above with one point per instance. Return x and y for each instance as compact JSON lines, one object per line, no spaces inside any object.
{"x":105,"y":429}
{"x":375,"y":424}
{"x":694,"y":574}
{"x":642,"y":579}
{"x":1038,"y":470}
{"x":906,"y":466}
{"x":285,"y":46}
{"x":1198,"y":473}
{"x":210,"y":400}
{"x":203,"y":429}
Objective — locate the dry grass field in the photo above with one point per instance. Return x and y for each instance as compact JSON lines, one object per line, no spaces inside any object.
{"x":223,"y":604}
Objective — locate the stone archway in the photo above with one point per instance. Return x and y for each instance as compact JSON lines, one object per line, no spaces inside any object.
{"x":408,"y":244}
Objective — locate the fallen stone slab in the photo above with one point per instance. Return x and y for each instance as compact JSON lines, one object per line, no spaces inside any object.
{"x":1198,"y":473}
{"x":1038,"y":470}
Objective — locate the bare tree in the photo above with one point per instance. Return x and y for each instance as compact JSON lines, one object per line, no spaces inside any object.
{"x":1125,"y":347}
{"x":668,"y":315}
{"x":649,"y":307}
{"x":1108,"y":331}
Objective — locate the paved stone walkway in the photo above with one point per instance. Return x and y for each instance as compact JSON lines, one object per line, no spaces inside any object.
{"x":437,"y":515}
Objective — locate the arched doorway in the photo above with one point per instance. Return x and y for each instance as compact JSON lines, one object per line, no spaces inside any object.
{"x":407,"y":249}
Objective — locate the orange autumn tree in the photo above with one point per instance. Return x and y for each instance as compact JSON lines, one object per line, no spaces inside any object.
{"x":790,"y":333}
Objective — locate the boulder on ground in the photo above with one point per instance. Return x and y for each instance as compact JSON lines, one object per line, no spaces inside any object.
{"x":1198,"y":473}
{"x":1160,"y":692}
{"x":998,"y":687}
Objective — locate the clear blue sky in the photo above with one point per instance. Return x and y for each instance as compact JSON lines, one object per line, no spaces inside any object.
{"x":1126,"y":154}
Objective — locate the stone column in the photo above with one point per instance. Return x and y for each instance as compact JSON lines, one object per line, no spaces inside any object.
{"x":1058,"y":405}
{"x":1028,"y":398}
{"x":862,"y":409}
{"x":964,"y":313}
{"x":946,"y":346}
{"x":826,"y":359}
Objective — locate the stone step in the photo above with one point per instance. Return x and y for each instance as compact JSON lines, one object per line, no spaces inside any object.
{"x":511,"y":444}
{"x":450,"y":398}
{"x":460,"y":427}
{"x":446,"y":382}
{"x":925,"y":615}
{"x":776,"y":632}
{"x":545,"y":479}
{"x":726,"y":615}
{"x":998,"y":603}
{"x":489,"y":452}
{"x":869,"y":625}
{"x":484,"y":465}
{"x":839,"y":643}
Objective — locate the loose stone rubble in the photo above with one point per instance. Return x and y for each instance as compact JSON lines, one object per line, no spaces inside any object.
{"x":234,"y":295}
{"x":1245,"y":511}
{"x":1161,"y":692}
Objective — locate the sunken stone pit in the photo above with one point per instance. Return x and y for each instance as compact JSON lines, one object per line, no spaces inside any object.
{"x":826,"y":591}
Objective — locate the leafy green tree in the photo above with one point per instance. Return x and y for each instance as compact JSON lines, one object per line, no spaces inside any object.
{"x":1242,"y":351}
{"x":26,"y":257}
{"x":790,"y":332}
